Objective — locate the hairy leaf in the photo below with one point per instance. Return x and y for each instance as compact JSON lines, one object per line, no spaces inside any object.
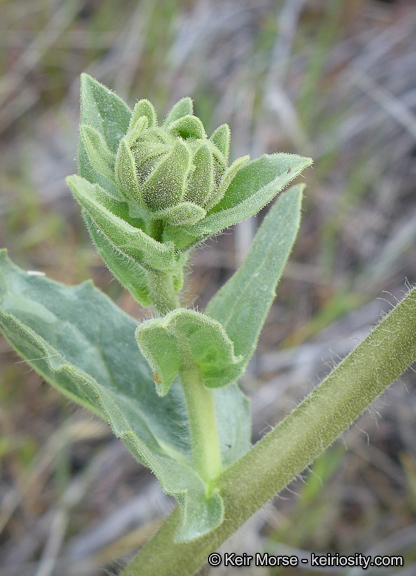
{"x":125,"y":268}
{"x":243,"y":303}
{"x":126,"y":238}
{"x":254,"y":186}
{"x":103,"y":110}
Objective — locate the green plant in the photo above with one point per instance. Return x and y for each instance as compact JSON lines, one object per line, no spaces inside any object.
{"x":150,"y":194}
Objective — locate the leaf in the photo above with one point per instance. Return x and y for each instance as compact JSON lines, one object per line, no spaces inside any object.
{"x":125,"y":268}
{"x":98,"y":152}
{"x":84,"y":345}
{"x":183,"y":338}
{"x":103,"y":110}
{"x":243,"y":302}
{"x":127,"y":239}
{"x":227,"y":178}
{"x":254,"y":186}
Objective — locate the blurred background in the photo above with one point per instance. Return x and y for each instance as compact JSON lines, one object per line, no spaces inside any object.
{"x":335,"y":80}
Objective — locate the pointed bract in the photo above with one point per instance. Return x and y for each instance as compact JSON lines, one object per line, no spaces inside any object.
{"x":188,"y":127}
{"x":143,"y":108}
{"x":166,"y":184}
{"x":201,"y":182}
{"x":183,"y":107}
{"x":226,"y":181}
{"x":222,"y":138}
{"x":181,"y":214}
{"x":125,"y":172}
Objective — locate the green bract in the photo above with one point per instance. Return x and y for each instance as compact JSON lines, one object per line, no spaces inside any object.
{"x":151,"y":191}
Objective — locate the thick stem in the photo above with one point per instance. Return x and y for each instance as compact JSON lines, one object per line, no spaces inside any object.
{"x":162,"y":291}
{"x":202,"y":424}
{"x":283,"y":453}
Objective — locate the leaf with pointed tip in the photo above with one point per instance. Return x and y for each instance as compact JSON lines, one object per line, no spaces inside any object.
{"x":182,"y":108}
{"x":84,"y":345}
{"x":243,"y":303}
{"x":126,"y":238}
{"x":254,"y":186}
{"x":103,"y":110}
{"x":183,"y":338}
{"x":125,"y":268}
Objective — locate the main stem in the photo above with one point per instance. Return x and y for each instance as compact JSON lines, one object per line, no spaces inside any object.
{"x":283,"y":453}
{"x":202,"y":424}
{"x":162,"y":291}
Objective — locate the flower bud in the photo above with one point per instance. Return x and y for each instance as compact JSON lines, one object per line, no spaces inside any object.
{"x":172,"y":172}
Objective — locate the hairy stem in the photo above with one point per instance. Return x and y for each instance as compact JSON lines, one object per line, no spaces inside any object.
{"x":283,"y":453}
{"x":202,"y":424}
{"x":162,"y":291}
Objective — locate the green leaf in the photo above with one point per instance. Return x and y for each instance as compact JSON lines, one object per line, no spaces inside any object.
{"x":260,"y":180}
{"x":84,"y":345}
{"x":98,"y":152}
{"x":125,"y":268}
{"x":126,"y":238}
{"x":254,"y":186}
{"x":183,"y":338}
{"x":103,"y":110}
{"x":182,"y":108}
{"x":106,"y":113}
{"x":243,"y":303}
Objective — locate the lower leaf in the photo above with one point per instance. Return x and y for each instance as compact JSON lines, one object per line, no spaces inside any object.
{"x":83,"y":344}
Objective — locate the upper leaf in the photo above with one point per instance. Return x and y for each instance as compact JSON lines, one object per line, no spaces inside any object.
{"x":243,"y":303}
{"x":84,"y":345}
{"x":253,"y":186}
{"x":103,"y":110}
